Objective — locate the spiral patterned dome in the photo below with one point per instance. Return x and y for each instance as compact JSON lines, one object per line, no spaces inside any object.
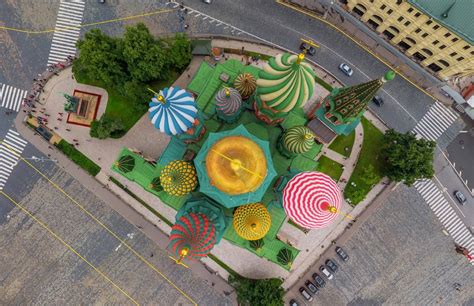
{"x":286,"y":82}
{"x":193,"y":235}
{"x":252,"y":221}
{"x":298,"y":139}
{"x":246,"y":84}
{"x":178,"y":178}
{"x":228,"y":101}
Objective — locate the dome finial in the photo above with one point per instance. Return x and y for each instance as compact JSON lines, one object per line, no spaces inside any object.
{"x":389,"y":75}
{"x":300,"y":58}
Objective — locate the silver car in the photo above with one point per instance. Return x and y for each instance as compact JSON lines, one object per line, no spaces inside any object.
{"x":325,"y":272}
{"x":346,"y":69}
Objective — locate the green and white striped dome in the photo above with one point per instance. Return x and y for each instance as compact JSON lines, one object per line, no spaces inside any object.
{"x":286,"y":82}
{"x":298,"y":139}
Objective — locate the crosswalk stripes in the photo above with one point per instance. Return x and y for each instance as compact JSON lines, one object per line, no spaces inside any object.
{"x":446,"y":214}
{"x":435,"y":122}
{"x":10,"y":149}
{"x":67,"y":30}
{"x":11,"y":97}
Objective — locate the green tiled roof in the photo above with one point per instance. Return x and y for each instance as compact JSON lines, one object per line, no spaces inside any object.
{"x":455,"y":15}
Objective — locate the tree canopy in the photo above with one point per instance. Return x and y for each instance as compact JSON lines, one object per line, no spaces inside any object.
{"x":107,"y":126}
{"x":264,"y":292}
{"x":407,"y":158}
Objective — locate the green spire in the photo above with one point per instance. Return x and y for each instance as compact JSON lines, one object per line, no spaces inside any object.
{"x":347,"y":104}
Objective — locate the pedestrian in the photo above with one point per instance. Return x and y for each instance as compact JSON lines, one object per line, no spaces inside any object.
{"x":47,"y":115}
{"x":59,"y":119}
{"x":49,"y":147}
{"x":60,"y":114}
{"x":151,"y":255}
{"x":49,"y":155}
{"x":56,"y":128}
{"x":75,"y":140}
{"x":24,"y":110}
{"x":68,"y":130}
{"x":55,"y":73}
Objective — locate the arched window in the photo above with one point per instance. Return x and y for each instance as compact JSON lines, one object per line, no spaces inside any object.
{"x":377,"y":18}
{"x":394,"y":29}
{"x":359,"y":9}
{"x":427,"y":51}
{"x":410,"y":40}
{"x":444,"y":63}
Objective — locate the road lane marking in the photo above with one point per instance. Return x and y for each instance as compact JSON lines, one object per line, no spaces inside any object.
{"x":112,"y":233}
{"x":52,"y":233}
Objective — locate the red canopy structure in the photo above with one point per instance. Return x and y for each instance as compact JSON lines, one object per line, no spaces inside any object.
{"x":193,"y":235}
{"x":311,"y":199}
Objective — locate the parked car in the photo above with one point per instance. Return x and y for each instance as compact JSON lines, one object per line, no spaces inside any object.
{"x":293,"y":302}
{"x":377,"y":101}
{"x":311,"y":287}
{"x":306,"y":294}
{"x":342,"y":254}
{"x":460,"y":197}
{"x":325,"y":272}
{"x":319,"y":281}
{"x":331,"y":265}
{"x":309,"y":49}
{"x":346,"y":69}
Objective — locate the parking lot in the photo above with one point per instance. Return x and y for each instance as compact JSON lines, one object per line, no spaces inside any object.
{"x":399,"y":255}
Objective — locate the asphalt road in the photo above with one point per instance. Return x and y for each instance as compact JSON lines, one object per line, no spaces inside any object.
{"x":398,"y":256}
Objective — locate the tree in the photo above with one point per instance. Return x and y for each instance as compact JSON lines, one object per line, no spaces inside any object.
{"x":264,"y":292}
{"x":180,"y":52}
{"x":137,"y":94}
{"x":107,"y":127}
{"x":146,"y":58}
{"x":101,"y":58}
{"x":369,"y":176}
{"x":407,"y":158}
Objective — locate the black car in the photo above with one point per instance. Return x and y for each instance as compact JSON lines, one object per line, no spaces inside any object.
{"x":331,"y":265}
{"x":311,"y":287}
{"x":460,"y":197}
{"x":309,"y":49}
{"x":377,"y":101}
{"x":319,"y":281}
{"x":293,"y":302}
{"x":342,"y":254}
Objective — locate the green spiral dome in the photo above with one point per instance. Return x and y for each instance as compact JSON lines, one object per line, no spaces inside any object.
{"x":178,"y":178}
{"x":298,"y":139}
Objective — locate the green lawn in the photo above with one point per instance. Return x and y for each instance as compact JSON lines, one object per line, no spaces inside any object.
{"x":119,"y":106}
{"x":80,"y":159}
{"x":330,"y":167}
{"x":341,"y":142}
{"x":323,"y":83}
{"x":369,"y":155}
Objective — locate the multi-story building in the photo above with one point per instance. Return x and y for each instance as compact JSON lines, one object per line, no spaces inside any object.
{"x":438,"y":34}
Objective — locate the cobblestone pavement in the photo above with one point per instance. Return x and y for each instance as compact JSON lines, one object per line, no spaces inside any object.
{"x":37,"y":268}
{"x":398,"y":256}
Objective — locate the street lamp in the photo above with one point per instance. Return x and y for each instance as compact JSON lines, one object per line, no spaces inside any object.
{"x":330,"y":7}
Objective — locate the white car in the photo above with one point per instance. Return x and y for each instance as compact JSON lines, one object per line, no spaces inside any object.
{"x":346,"y":69}
{"x":325,"y":272}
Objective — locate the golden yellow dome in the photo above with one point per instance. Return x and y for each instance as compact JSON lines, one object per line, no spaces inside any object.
{"x":236,"y":165}
{"x":178,"y":178}
{"x":252,"y":221}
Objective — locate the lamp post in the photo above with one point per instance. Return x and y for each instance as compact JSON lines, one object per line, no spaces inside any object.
{"x":330,"y":7}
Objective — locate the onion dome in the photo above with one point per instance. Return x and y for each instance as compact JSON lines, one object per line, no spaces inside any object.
{"x":286,"y":82}
{"x":252,"y":221}
{"x":228,"y":101}
{"x":155,"y":184}
{"x":257,"y":244}
{"x":298,"y":139}
{"x":125,"y":163}
{"x":285,"y":257}
{"x":311,"y":199}
{"x":246,"y":84}
{"x":236,"y":165}
{"x":178,"y":178}
{"x":173,"y":111}
{"x":192,"y":235}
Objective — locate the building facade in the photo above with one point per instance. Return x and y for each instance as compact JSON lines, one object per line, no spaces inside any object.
{"x":437,"y":34}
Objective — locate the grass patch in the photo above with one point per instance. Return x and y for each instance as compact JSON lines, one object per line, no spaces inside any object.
{"x":330,"y":167}
{"x":224,"y":266}
{"x":77,"y":157}
{"x":341,"y":142}
{"x":118,"y":105}
{"x":323,"y":84}
{"x":370,"y":154}
{"x":151,"y":209}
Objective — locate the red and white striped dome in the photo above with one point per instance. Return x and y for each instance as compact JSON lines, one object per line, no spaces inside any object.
{"x":308,"y":198}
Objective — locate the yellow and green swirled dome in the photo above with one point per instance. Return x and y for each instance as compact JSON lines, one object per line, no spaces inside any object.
{"x":178,"y":178}
{"x":286,"y":82}
{"x":252,"y":221}
{"x":298,"y":139}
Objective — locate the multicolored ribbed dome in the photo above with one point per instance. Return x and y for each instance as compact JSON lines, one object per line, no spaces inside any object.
{"x":178,"y":178}
{"x":246,"y":84}
{"x":298,"y":139}
{"x":286,"y":82}
{"x":173,"y":111}
{"x":193,"y":235}
{"x":228,"y":101}
{"x":125,"y":163}
{"x":252,"y":221}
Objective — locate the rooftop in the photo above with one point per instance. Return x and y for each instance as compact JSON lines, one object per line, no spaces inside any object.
{"x":455,"y":15}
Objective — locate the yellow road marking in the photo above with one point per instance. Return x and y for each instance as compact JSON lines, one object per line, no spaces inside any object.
{"x":87,"y":24}
{"x":356,"y":42}
{"x":101,"y":224}
{"x":42,"y":224}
